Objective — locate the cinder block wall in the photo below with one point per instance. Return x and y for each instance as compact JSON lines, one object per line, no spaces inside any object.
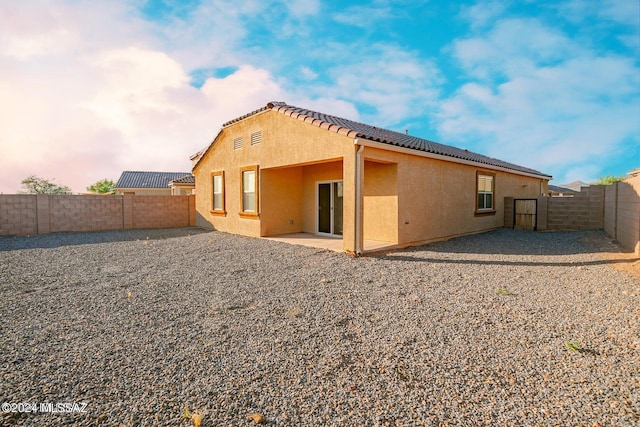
{"x":42,"y":214}
{"x":610,"y":209}
{"x":160,"y":211}
{"x":18,"y":215}
{"x":614,"y":208}
{"x":584,"y":211}
{"x":626,"y":214}
{"x":84,"y":213}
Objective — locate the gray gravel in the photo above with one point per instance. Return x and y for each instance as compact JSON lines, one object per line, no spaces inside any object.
{"x":475,"y":331}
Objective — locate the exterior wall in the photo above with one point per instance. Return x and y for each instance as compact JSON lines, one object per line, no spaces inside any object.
{"x":583,"y":211}
{"x":289,"y":148}
{"x":437,"y":199}
{"x":42,"y":214}
{"x":281,"y":193}
{"x":182,"y":190}
{"x":380,"y":201}
{"x":611,"y":210}
{"x":18,"y":215}
{"x":622,"y":212}
{"x":84,"y":213}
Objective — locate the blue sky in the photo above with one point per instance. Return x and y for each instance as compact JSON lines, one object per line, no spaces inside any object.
{"x":90,"y":88}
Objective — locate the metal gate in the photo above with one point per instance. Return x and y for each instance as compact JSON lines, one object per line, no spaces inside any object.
{"x":525,"y":214}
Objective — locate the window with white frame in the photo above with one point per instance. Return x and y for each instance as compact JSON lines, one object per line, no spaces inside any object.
{"x":485,"y":186}
{"x":249,"y":191}
{"x":217,"y":181}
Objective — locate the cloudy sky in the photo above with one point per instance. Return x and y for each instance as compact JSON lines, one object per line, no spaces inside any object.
{"x":89,"y":88}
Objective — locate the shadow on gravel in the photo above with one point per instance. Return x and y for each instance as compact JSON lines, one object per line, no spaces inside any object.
{"x":55,"y":240}
{"x":514,"y":242}
{"x":503,"y":262}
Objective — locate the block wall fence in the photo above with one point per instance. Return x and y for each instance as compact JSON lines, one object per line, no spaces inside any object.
{"x":27,"y":214}
{"x":614,"y":208}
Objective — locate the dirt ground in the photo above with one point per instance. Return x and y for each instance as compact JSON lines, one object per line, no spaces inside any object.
{"x":608,"y":249}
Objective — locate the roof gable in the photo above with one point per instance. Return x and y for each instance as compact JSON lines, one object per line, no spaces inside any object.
{"x":354,"y":130}
{"x":144,"y":179}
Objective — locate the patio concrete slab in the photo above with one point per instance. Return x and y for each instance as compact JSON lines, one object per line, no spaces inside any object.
{"x":327,"y":242}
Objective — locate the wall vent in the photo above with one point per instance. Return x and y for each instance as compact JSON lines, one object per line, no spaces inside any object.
{"x":256,"y":137}
{"x":237,"y":143}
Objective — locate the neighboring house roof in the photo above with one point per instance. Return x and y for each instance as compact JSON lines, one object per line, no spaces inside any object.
{"x":140,"y":179}
{"x":574,"y":186}
{"x":188,"y":179}
{"x":354,"y":129}
{"x":561,"y":189}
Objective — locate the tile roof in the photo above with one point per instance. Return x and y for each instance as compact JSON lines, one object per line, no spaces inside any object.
{"x":188,"y":179}
{"x":140,"y":179}
{"x":354,"y":129}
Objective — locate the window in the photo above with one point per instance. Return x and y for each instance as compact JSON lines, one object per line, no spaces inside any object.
{"x":217,"y":182}
{"x":249,"y":191}
{"x":485,"y":192}
{"x":237,"y":143}
{"x":256,"y":137}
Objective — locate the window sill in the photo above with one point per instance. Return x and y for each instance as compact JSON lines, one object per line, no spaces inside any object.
{"x":218,"y":213}
{"x":249,"y":215}
{"x":485,"y":213}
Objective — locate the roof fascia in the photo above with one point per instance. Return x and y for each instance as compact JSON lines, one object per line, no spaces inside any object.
{"x":204,"y":154}
{"x":244,"y":118}
{"x":206,"y":151}
{"x":412,"y":152}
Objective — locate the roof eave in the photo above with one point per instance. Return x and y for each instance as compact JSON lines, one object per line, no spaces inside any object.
{"x":414,"y":152}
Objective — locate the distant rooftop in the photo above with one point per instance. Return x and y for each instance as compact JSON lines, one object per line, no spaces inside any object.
{"x":188,"y":179}
{"x":145,"y":179}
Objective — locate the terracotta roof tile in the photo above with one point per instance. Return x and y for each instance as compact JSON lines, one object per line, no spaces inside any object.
{"x":360,"y":130}
{"x":372,"y":133}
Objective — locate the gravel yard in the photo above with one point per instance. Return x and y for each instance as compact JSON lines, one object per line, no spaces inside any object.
{"x":503,"y":328}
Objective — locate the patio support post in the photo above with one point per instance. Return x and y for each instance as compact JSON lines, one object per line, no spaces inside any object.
{"x":358,"y":205}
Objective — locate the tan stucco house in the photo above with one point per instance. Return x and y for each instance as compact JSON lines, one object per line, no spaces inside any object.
{"x":283,"y":169}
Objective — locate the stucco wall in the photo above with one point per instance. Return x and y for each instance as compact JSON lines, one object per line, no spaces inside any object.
{"x":281,"y":194}
{"x":289,"y":148}
{"x":437,"y":199}
{"x":380,"y":201}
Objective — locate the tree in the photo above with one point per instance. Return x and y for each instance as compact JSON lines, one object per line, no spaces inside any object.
{"x":34,"y":185}
{"x":609,"y":179}
{"x":105,"y":186}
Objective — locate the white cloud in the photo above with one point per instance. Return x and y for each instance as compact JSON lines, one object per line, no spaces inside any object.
{"x":558,"y":106}
{"x":364,"y":16}
{"x":308,"y":73}
{"x":303,"y":8}
{"x":399,"y":88}
{"x":93,"y":105}
{"x":482,"y":14}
